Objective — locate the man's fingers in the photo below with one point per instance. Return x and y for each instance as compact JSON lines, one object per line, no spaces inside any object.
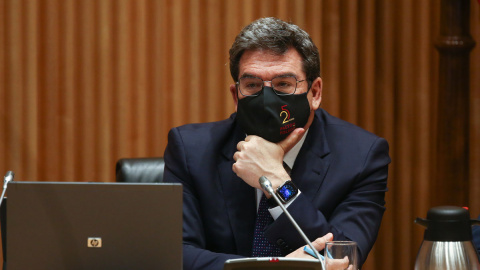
{"x":250,"y":137}
{"x":240,"y":144}
{"x":292,"y":139}
{"x":319,"y":243}
{"x":339,"y":264}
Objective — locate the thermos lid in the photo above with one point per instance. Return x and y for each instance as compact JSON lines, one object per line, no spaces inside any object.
{"x":447,"y":223}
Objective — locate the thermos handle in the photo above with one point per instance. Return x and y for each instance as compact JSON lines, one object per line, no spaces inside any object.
{"x":475,"y":222}
{"x":422,"y":222}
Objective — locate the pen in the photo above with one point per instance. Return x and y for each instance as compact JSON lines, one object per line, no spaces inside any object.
{"x":310,"y":251}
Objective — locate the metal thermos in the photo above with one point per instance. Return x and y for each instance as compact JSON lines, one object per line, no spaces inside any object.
{"x":447,"y":243}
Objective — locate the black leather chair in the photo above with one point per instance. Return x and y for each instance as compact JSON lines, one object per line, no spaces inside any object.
{"x":3,"y":223}
{"x":140,"y":170}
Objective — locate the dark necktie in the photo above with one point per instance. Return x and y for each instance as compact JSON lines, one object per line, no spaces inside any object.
{"x":261,"y":246}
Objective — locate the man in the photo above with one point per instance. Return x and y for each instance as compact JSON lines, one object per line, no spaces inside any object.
{"x":338,"y":171}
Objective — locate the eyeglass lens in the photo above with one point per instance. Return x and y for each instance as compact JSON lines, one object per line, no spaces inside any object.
{"x":284,"y":85}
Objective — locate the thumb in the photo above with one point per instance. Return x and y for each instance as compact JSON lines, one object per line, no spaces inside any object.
{"x":320,"y":242}
{"x":292,"y":139}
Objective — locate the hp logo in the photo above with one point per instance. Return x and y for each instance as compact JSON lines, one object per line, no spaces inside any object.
{"x":94,"y":242}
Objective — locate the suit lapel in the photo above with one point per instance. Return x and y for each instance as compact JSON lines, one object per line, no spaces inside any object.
{"x":239,"y":197}
{"x":313,"y":160}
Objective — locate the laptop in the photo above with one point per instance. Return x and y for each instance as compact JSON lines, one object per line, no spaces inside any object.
{"x":75,"y":225}
{"x":271,"y":263}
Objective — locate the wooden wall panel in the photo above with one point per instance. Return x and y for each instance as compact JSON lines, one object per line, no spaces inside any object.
{"x":385,"y":254}
{"x":3,"y":93}
{"x":475,"y":109}
{"x":84,"y":83}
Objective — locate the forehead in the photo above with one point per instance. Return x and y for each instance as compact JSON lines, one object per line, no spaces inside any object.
{"x":266,"y":64}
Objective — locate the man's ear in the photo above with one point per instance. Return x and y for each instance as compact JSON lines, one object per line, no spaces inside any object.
{"x":316,"y":91}
{"x":233,"y":91}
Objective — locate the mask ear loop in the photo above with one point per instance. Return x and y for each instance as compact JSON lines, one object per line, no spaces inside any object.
{"x":309,"y":84}
{"x":237,"y":87}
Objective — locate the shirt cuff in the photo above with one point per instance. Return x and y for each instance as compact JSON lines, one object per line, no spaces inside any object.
{"x":275,"y":212}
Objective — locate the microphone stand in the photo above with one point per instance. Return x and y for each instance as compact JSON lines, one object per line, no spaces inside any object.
{"x":8,"y":177}
{"x":267,"y":186}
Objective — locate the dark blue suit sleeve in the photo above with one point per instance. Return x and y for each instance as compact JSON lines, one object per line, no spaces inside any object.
{"x":195,"y":254}
{"x":356,"y":215}
{"x":476,"y":238}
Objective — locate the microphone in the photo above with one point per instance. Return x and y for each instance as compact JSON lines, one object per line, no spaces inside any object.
{"x":8,"y":178}
{"x":267,"y":186}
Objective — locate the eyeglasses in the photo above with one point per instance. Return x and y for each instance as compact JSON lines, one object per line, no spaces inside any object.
{"x":282,"y":85}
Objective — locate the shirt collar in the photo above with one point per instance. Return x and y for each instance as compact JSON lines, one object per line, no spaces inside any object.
{"x":291,"y":155}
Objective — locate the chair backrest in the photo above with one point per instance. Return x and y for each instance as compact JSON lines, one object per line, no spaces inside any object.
{"x":140,"y":170}
{"x":3,"y":224}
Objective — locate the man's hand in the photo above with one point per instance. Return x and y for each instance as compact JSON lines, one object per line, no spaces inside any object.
{"x":318,"y":244}
{"x":256,"y":157}
{"x":339,"y":264}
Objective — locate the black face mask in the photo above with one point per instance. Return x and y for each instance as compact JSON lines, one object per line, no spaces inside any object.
{"x":272,"y":117}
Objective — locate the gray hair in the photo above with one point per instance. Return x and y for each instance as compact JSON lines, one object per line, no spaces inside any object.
{"x":278,"y":36}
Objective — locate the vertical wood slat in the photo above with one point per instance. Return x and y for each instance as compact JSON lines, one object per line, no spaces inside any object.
{"x":179,"y":70}
{"x":150,"y":72}
{"x":404,"y":135}
{"x":314,"y":23}
{"x":214,"y":64}
{"x":366,"y":98}
{"x":422,"y":110}
{"x":85,"y":83}
{"x":123,"y":119}
{"x":349,"y":52}
{"x":366,"y":56}
{"x":30,"y":141}
{"x":475,"y":109}
{"x":193,"y":81}
{"x":3,"y":86}
{"x":163,"y":107}
{"x":13,"y":79}
{"x":385,"y":91}
{"x":330,"y":56}
{"x":88,"y":114}
{"x":232,"y":28}
{"x":142,"y":86}
{"x":454,"y":46}
{"x":69,"y":84}
{"x":105,"y":87}
{"x":49,"y":126}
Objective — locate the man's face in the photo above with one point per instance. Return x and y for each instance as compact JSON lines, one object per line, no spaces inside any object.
{"x":267,"y":65}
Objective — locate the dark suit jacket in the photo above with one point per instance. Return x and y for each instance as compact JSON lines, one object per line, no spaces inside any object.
{"x":476,"y":238}
{"x":341,"y":171}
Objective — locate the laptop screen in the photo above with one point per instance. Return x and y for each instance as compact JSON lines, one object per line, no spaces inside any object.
{"x":74,"y":225}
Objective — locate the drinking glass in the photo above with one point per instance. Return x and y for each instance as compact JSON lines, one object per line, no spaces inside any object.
{"x":341,"y":255}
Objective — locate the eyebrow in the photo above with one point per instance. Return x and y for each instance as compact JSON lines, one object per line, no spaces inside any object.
{"x":250,"y":75}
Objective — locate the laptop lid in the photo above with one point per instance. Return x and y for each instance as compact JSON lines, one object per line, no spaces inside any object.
{"x":272,"y":263}
{"x":74,"y":225}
